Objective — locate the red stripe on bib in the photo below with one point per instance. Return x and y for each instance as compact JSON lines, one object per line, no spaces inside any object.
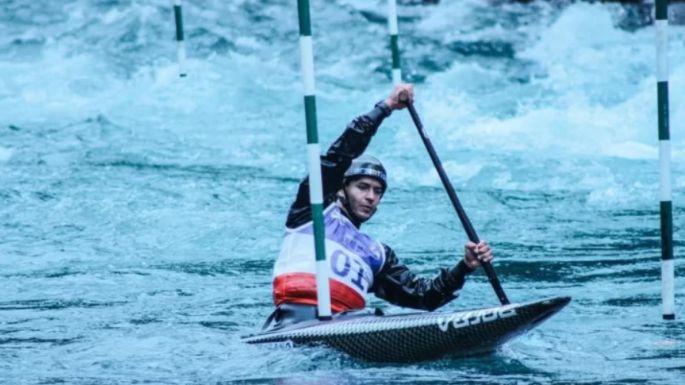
{"x":300,"y":288}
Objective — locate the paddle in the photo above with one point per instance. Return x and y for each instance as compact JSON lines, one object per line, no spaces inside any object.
{"x":473,"y":237}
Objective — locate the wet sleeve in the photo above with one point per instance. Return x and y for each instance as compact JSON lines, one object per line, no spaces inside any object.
{"x":349,"y":145}
{"x":396,"y":284}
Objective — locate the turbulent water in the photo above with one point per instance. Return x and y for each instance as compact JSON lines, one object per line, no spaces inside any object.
{"x":140,"y":212}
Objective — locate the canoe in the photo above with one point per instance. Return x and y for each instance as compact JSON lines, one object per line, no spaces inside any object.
{"x":417,"y":336}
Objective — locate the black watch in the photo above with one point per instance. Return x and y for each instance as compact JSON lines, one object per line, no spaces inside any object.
{"x":384,"y":107}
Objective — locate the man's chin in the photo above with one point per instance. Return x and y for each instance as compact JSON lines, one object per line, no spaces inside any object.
{"x":363,"y":217}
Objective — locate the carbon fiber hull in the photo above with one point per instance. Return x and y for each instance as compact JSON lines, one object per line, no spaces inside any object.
{"x":418,"y":336}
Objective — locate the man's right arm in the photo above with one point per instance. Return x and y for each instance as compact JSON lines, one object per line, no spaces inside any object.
{"x":348,"y":146}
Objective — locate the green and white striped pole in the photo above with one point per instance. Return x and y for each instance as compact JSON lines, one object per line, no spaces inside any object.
{"x":180,"y":43}
{"x":394,"y":44}
{"x":323,"y":293}
{"x":666,"y":209}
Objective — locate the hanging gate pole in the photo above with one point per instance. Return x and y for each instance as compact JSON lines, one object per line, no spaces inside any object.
{"x":323,"y":293}
{"x":665,"y":209}
{"x":394,"y":44}
{"x":180,"y":43}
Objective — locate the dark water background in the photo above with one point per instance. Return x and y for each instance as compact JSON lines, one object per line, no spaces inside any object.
{"x":140,"y":213}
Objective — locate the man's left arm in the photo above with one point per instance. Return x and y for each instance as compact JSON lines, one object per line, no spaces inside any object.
{"x":400,"y":286}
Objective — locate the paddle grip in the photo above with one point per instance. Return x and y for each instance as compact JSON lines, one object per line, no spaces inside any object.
{"x":403,"y":97}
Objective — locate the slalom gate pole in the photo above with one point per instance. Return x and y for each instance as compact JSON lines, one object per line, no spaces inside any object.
{"x":180,"y":43}
{"x":665,"y":191}
{"x":394,"y":44}
{"x":323,"y":293}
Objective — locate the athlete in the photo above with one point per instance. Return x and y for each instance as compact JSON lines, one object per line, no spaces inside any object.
{"x":353,"y":186}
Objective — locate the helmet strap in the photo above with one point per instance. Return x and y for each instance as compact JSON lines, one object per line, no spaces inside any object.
{"x":345,"y":200}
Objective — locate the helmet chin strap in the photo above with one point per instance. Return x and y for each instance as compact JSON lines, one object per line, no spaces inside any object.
{"x":348,"y":209}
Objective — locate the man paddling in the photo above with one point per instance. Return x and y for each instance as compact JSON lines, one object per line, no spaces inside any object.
{"x":353,"y":186}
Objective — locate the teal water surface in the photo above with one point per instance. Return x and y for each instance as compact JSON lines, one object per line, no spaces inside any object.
{"x":140,"y":213}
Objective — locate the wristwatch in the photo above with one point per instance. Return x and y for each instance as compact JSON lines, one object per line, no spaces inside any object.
{"x":384,"y":108}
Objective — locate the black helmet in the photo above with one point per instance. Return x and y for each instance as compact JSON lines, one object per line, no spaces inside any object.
{"x":367,"y":165}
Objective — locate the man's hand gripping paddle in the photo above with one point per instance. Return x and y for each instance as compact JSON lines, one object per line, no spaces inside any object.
{"x":473,"y":237}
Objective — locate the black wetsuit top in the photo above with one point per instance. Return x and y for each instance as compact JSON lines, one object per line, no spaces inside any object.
{"x":394,"y":282}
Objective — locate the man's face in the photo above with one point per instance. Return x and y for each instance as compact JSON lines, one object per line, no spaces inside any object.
{"x":364,"y":195}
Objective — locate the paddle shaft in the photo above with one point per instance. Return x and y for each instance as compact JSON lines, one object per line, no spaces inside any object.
{"x":470,"y":232}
